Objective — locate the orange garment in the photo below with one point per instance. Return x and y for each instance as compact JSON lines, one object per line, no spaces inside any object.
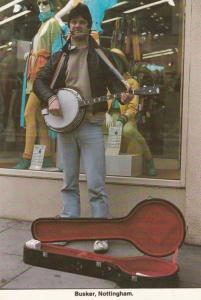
{"x":36,"y":62}
{"x":33,"y":117}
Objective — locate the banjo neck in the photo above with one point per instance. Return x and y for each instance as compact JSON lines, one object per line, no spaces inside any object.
{"x":98,"y":99}
{"x":145,"y":90}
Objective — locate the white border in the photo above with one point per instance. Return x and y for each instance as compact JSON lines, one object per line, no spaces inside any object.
{"x":137,"y":294}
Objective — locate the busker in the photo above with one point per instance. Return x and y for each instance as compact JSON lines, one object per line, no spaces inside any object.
{"x":84,"y":71}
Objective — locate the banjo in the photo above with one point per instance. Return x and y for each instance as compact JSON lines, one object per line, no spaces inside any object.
{"x":73,"y":107}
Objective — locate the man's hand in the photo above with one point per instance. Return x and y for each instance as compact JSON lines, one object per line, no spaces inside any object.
{"x":54,"y":107}
{"x":126,"y":97}
{"x":108,"y":120}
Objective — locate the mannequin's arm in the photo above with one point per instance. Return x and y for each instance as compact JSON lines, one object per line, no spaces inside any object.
{"x":67,"y":8}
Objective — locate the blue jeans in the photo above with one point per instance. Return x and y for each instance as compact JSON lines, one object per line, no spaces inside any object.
{"x":86,"y":142}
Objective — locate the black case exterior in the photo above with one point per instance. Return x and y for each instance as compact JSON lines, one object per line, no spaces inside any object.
{"x":97,"y":269}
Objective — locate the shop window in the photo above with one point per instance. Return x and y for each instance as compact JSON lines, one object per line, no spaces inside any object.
{"x":150,"y":34}
{"x":146,"y":39}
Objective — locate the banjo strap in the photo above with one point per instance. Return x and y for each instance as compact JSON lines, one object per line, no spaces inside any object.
{"x":112,"y":68}
{"x":102,"y":56}
{"x":57,"y":70}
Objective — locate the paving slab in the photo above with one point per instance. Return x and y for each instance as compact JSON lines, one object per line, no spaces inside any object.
{"x":189,"y":285}
{"x":189,"y":261}
{"x":190,"y":251}
{"x":6,"y":224}
{"x":11,"y":266}
{"x":12,"y":241}
{"x":22,"y":226}
{"x":190,"y":272}
{"x":40,"y":278}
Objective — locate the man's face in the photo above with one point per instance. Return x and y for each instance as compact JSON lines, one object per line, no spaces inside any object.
{"x":79,"y":28}
{"x":44,"y":6}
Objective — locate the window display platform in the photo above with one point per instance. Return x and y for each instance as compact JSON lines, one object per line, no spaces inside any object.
{"x":122,"y":165}
{"x":118,"y":165}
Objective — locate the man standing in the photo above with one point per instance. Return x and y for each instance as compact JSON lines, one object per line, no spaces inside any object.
{"x":86,"y":72}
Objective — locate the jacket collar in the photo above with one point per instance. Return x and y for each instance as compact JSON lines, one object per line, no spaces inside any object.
{"x":68,"y":47}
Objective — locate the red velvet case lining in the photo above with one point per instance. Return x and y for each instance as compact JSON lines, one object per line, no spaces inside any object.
{"x":156,"y":227}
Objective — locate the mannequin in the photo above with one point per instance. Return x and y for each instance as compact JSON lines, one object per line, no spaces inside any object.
{"x":124,"y":115}
{"x":47,"y":40}
{"x":97,"y":9}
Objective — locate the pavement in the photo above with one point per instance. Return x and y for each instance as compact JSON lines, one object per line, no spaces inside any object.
{"x":15,"y":274}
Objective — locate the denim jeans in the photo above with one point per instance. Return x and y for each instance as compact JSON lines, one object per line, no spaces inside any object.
{"x":86,"y":142}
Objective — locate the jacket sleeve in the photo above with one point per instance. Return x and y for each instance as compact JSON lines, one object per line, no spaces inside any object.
{"x":41,"y":86}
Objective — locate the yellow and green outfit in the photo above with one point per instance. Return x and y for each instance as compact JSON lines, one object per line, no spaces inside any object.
{"x":133,"y":141}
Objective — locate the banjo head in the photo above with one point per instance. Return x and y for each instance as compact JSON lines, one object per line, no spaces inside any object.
{"x":69,"y":100}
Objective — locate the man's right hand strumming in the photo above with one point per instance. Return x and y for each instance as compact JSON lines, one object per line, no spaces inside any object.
{"x":54,"y":106}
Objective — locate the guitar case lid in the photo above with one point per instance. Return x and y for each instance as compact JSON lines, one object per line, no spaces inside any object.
{"x":155,"y":226}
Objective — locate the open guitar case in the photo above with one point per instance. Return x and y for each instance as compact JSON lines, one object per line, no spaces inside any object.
{"x":155,"y":227}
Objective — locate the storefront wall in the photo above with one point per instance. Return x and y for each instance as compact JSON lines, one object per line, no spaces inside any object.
{"x":28,"y":198}
{"x":193,"y":160}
